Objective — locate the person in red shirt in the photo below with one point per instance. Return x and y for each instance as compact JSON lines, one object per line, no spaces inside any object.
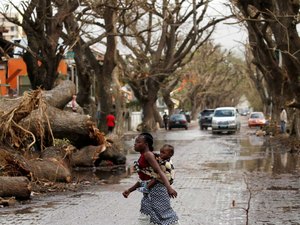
{"x":110,"y":122}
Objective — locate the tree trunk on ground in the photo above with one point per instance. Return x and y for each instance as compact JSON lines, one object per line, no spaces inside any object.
{"x":7,"y":202}
{"x":87,"y":156}
{"x":57,"y":97}
{"x":54,"y":164}
{"x":90,"y":156}
{"x":78,"y":129}
{"x":50,"y":169}
{"x":18,"y":187}
{"x":72,"y":126}
{"x":13,"y":163}
{"x":60,"y":95}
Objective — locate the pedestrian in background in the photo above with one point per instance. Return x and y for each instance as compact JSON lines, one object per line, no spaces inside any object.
{"x":110,"y":122}
{"x":283,"y":120}
{"x":166,"y":120}
{"x":74,"y":103}
{"x":155,"y":205}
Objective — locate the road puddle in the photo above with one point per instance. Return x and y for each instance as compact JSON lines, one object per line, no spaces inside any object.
{"x":269,"y":174}
{"x":254,"y":154}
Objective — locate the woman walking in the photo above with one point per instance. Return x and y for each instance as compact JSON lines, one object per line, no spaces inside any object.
{"x":156,"y":204}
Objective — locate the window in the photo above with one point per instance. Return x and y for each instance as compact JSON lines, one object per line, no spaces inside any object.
{"x":224,"y":113}
{"x":24,"y":84}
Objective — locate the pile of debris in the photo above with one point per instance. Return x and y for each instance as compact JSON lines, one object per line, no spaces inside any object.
{"x":29,"y":127}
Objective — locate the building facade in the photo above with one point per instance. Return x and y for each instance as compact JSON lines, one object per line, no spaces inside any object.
{"x":10,"y":31}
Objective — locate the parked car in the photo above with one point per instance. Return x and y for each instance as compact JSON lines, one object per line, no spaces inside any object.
{"x":205,"y":118}
{"x":244,"y":112}
{"x":178,"y":121}
{"x":187,"y":115}
{"x":257,"y":119}
{"x":225,"y":119}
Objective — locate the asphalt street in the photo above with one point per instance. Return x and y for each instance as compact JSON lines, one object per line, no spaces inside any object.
{"x":224,"y":179}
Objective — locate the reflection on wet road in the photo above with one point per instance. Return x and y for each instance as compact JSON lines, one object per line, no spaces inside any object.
{"x":217,"y":178}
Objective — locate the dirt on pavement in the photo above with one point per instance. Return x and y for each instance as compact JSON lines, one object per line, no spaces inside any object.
{"x":234,"y":179}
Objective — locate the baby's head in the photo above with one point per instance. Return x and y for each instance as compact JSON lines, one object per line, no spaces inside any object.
{"x":166,"y":152}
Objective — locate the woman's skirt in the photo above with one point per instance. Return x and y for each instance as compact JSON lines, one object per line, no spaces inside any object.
{"x":157,"y":206}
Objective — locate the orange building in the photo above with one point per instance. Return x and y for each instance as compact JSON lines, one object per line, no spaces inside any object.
{"x":13,"y":75}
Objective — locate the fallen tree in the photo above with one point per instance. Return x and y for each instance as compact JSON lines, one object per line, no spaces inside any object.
{"x":12,"y":163}
{"x":29,"y":126}
{"x":54,"y":170}
{"x":57,"y":97}
{"x":90,"y":156}
{"x":79,"y":129}
{"x":18,"y":187}
{"x":38,"y":117}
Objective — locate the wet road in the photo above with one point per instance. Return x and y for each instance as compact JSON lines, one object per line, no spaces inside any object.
{"x":220,"y":179}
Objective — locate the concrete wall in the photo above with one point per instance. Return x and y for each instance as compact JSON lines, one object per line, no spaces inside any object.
{"x":135,"y":120}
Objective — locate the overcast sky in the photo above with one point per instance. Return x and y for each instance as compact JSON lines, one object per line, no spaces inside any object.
{"x":230,"y":36}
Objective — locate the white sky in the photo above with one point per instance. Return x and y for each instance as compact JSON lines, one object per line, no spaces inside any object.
{"x":230,"y":35}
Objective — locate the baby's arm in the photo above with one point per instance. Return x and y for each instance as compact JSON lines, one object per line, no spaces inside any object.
{"x":131,"y":189}
{"x":151,"y":183}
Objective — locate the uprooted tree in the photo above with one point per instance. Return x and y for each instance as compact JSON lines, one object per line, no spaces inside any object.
{"x":31,"y":123}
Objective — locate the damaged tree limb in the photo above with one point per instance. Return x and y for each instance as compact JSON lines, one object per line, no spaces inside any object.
{"x":18,"y":187}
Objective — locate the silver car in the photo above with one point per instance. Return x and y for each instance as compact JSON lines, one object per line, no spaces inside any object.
{"x":225,"y":119}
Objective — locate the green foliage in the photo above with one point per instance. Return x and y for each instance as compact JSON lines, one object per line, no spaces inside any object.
{"x":61,"y":142}
{"x":134,"y":105}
